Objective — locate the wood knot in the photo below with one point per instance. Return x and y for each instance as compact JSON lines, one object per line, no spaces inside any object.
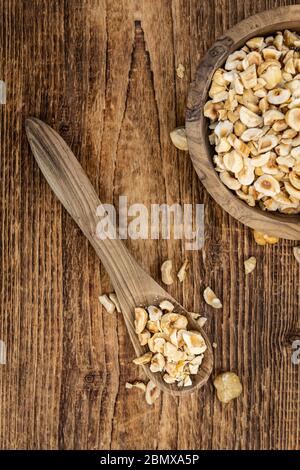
{"x":216,"y":51}
{"x":89,"y":378}
{"x":227,"y":41}
{"x":64,"y":128}
{"x":94,"y":379}
{"x":291,"y":337}
{"x":221,"y":47}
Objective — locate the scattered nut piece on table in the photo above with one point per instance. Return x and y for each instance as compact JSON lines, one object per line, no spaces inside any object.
{"x":211,"y":298}
{"x":178,"y":137}
{"x":114,"y":299}
{"x":136,"y":384}
{"x":202,"y":321}
{"x":183,"y":271}
{"x":152,"y":393}
{"x":174,"y":351}
{"x":228,"y":386}
{"x":250,"y":264}
{"x":107,"y":303}
{"x":180,"y":71}
{"x":254,"y":113}
{"x":166,"y":272}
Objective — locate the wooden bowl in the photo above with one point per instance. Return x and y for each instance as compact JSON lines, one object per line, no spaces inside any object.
{"x":201,"y":152}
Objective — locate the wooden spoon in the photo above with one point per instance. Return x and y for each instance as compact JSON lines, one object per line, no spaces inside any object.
{"x":133,"y":286}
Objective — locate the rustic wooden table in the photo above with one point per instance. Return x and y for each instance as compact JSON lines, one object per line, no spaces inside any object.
{"x":103,"y":74}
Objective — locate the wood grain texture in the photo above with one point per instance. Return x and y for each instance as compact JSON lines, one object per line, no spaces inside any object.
{"x":102,"y":73}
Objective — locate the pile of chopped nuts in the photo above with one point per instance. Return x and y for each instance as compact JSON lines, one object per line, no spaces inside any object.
{"x":254,"y":114}
{"x":174,"y":351}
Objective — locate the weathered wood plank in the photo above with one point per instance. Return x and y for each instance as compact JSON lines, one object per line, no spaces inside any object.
{"x":103,"y":74}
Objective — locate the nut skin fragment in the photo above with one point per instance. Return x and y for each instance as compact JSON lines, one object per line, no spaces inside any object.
{"x":178,"y":138}
{"x":211,"y":298}
{"x":250,"y":265}
{"x":228,"y":386}
{"x":296,"y":251}
{"x":166,"y":269}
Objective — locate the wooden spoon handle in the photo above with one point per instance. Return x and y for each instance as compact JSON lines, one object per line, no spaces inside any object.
{"x":74,"y":190}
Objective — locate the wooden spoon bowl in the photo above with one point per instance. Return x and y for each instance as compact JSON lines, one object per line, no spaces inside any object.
{"x":201,"y":152}
{"x":133,"y":286}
